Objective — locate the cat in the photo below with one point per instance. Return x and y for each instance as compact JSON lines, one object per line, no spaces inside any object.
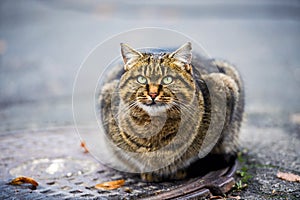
{"x":168,"y":107}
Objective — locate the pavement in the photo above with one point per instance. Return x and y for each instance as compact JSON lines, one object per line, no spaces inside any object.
{"x":42,"y":45}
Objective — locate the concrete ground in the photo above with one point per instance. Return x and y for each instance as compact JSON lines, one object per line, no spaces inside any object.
{"x":42,"y":45}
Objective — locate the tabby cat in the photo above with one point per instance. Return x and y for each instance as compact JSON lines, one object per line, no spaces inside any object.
{"x":166,"y":109}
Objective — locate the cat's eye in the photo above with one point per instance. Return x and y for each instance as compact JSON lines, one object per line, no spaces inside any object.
{"x":141,"y":80}
{"x":167,"y":80}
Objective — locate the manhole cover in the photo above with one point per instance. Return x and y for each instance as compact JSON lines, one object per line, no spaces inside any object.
{"x":46,"y":168}
{"x":56,"y":161}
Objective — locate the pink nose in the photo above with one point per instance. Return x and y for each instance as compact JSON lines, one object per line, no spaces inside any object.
{"x":153,"y":95}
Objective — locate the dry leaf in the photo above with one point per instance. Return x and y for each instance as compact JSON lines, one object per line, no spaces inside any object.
{"x":22,"y":179}
{"x":83,"y":145}
{"x":111,"y":185}
{"x":288,"y":176}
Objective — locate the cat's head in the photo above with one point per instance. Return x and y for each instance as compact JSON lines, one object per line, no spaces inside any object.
{"x":156,"y":82}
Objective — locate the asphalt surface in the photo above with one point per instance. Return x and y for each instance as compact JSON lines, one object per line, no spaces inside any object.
{"x":42,"y":45}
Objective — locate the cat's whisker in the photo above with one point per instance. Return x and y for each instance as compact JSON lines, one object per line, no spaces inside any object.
{"x":125,"y":109}
{"x":186,"y":111}
{"x":184,"y":105}
{"x":122,"y":112}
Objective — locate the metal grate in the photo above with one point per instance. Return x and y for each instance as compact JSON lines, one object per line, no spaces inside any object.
{"x":39,"y":154}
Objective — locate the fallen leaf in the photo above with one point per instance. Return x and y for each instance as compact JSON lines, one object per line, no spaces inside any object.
{"x":83,"y":145}
{"x":111,"y":185}
{"x":288,"y":176}
{"x":22,"y":179}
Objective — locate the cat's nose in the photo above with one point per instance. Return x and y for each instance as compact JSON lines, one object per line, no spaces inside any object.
{"x":153,"y":95}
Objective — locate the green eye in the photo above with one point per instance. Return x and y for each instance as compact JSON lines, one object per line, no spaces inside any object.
{"x":167,"y":80}
{"x":141,"y":80}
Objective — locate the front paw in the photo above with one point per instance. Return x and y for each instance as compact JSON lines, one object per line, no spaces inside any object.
{"x":179,"y":175}
{"x":153,"y":177}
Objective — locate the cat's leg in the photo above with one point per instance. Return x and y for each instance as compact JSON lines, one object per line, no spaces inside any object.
{"x":230,"y":81}
{"x":228,"y":69}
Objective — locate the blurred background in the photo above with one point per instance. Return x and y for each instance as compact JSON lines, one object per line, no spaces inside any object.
{"x":43,"y":43}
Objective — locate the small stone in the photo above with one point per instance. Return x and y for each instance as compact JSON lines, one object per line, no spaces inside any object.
{"x":69,"y":174}
{"x":127,"y":189}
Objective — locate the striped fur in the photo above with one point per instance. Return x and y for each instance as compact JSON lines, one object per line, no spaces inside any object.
{"x":160,"y":94}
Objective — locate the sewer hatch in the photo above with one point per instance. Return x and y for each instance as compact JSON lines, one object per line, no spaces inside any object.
{"x":56,"y":161}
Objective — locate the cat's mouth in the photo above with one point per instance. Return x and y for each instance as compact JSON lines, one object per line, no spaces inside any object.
{"x":154,"y":107}
{"x":155,"y":103}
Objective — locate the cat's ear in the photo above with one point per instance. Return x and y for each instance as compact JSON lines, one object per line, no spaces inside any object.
{"x":183,"y":56}
{"x":130,"y":56}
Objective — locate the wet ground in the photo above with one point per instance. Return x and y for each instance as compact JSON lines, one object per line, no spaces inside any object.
{"x":42,"y":45}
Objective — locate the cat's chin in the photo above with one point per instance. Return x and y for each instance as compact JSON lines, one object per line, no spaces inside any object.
{"x":154,"y":109}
